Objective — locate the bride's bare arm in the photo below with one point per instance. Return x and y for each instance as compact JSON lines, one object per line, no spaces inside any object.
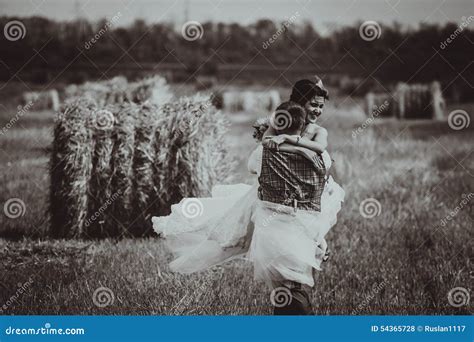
{"x":285,"y":147}
{"x":305,"y":152}
{"x":315,"y":138}
{"x":318,"y":144}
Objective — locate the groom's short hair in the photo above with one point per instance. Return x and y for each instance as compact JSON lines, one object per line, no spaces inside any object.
{"x":289,"y":117}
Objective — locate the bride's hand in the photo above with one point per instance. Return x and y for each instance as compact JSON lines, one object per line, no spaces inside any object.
{"x":324,"y":249}
{"x":275,"y":141}
{"x":312,"y":156}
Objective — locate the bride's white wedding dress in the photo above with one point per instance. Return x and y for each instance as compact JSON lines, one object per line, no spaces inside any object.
{"x":233,"y":222}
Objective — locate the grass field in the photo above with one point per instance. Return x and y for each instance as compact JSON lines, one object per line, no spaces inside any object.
{"x":405,"y":260}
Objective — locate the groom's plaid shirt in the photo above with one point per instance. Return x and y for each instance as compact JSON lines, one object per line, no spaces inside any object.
{"x":286,"y":177}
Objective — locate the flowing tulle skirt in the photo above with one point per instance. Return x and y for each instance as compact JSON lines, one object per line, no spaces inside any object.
{"x":282,"y":244}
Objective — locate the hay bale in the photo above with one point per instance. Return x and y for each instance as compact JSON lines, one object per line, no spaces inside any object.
{"x":29,"y":97}
{"x":217,"y":99}
{"x":415,"y":101}
{"x":193,"y":155}
{"x":117,"y":91}
{"x":152,"y":157}
{"x":71,"y":91}
{"x":231,"y":101}
{"x":251,"y":101}
{"x":205,"y":82}
{"x":103,"y":92}
{"x":54,"y":96}
{"x":42,"y":100}
{"x":121,"y":164}
{"x":95,"y":90}
{"x":101,"y":125}
{"x":146,"y":127}
{"x":419,"y":101}
{"x":438,"y":102}
{"x":71,"y":168}
{"x":153,"y":89}
{"x":378,"y":105}
{"x":399,"y":94}
{"x":274,"y":100}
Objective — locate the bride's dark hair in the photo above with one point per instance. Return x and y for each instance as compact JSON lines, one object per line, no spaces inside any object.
{"x":304,"y":90}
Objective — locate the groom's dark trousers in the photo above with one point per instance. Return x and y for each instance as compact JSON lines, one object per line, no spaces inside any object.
{"x":292,"y":180}
{"x":299,"y":303}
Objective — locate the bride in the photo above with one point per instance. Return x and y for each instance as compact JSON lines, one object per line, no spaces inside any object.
{"x":204,"y":232}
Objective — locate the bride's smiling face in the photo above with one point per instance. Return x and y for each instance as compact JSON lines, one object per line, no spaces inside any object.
{"x":314,"y":109}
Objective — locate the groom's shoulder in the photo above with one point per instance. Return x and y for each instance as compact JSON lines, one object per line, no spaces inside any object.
{"x":282,"y":156}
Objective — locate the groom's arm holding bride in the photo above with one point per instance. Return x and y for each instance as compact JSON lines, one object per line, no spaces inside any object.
{"x":303,"y":145}
{"x":314,"y":138}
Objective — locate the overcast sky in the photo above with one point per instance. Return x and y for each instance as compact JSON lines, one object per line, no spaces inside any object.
{"x":322,"y":13}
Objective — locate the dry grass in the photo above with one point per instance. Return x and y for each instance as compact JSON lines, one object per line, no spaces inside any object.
{"x":418,"y":171}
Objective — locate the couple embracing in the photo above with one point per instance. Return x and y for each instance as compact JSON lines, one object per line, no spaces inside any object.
{"x":280,"y":222}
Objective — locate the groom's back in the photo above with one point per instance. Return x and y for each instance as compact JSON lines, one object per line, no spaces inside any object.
{"x":286,"y":177}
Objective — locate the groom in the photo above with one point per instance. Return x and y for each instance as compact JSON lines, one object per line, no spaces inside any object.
{"x":292,"y":180}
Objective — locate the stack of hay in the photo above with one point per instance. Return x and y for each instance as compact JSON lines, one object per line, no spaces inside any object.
{"x":378,"y":105}
{"x":114,"y":167}
{"x":418,"y":101}
{"x":100,"y":91}
{"x":153,"y":89}
{"x":415,"y":101}
{"x":42,"y":100}
{"x":117,"y":91}
{"x":250,"y":101}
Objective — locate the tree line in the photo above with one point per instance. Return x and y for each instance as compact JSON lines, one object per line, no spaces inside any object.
{"x":423,"y":54}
